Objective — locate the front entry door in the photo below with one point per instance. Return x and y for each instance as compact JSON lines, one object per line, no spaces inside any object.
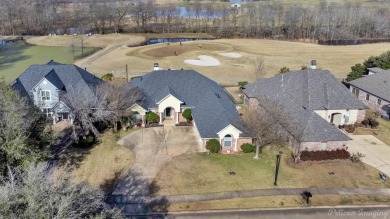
{"x":168,"y":112}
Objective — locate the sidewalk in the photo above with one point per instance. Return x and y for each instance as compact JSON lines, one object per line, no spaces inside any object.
{"x":119,"y":199}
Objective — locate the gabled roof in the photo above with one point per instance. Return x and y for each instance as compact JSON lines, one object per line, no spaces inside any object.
{"x":377,"y":70}
{"x":212,"y":109}
{"x":70,"y":76}
{"x":299,"y":94}
{"x":51,"y":62}
{"x":313,"y":89}
{"x":376,"y":84}
{"x":166,"y":91}
{"x":54,"y":79}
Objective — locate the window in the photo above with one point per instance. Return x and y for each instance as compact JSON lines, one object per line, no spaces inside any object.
{"x":367,"y":97}
{"x":355,"y":91}
{"x":379,"y":101}
{"x":46,"y":111}
{"x":227,"y":141}
{"x":45,"y":95}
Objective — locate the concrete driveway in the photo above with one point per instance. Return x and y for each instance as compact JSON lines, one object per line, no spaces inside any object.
{"x":377,"y":153}
{"x":154,"y":147}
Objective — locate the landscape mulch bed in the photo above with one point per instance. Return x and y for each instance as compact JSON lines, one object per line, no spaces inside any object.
{"x":185,"y":124}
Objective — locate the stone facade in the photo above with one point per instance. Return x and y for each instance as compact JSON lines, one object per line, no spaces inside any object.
{"x":372,"y":101}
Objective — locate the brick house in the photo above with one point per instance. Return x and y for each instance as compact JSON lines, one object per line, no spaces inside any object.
{"x":169,"y":92}
{"x":374,"y":91}
{"x":315,"y":103}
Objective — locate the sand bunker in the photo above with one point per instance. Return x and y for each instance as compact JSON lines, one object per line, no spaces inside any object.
{"x":230,"y":54}
{"x":203,"y":61}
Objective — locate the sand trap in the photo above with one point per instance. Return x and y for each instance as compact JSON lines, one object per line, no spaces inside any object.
{"x":203,"y":61}
{"x":230,"y":54}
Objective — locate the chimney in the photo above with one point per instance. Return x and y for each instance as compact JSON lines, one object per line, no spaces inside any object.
{"x":156,"y":67}
{"x":313,"y":64}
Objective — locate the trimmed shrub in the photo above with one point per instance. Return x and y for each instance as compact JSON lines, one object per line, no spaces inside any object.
{"x":365,"y":122}
{"x":350,"y":128}
{"x":107,"y":77}
{"x":325,"y":155}
{"x":357,"y":157}
{"x":213,"y":146}
{"x":85,"y":141}
{"x":242,"y":84}
{"x":187,"y":114}
{"x":373,"y":123}
{"x":151,"y":117}
{"x":248,"y":148}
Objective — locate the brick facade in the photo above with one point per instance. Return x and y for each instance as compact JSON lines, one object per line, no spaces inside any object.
{"x":361,"y":115}
{"x":383,"y":107}
{"x":229,"y":150}
{"x":321,"y":146}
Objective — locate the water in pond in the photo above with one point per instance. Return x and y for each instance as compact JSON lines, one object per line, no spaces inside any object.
{"x":171,"y":40}
{"x":189,"y":12}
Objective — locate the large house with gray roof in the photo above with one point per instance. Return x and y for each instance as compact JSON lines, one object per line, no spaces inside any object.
{"x":374,"y":91}
{"x":315,"y":103}
{"x":43,"y":84}
{"x":169,"y":92}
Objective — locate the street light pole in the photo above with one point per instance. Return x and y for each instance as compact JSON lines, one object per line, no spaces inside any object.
{"x":278,"y":157}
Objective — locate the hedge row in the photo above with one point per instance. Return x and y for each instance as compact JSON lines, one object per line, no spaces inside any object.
{"x":325,"y":155}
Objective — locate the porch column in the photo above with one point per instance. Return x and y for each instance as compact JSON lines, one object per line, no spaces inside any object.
{"x":220,"y":141}
{"x":236,"y":142}
{"x":54,"y":118}
{"x":143,"y":120}
{"x":177,"y":117}
{"x":161,"y":115}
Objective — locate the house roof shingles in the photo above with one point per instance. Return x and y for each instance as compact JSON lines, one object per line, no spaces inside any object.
{"x":377,"y":84}
{"x":212,"y":109}
{"x":60,"y":75}
{"x":300,"y":93}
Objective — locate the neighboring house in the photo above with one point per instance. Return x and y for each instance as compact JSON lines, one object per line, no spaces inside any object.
{"x":314,"y":102}
{"x":374,"y":91}
{"x":375,"y":70}
{"x":43,"y":84}
{"x":169,"y":92}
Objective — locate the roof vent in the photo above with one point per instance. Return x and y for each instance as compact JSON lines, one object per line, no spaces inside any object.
{"x":217,"y":94}
{"x":313,"y":64}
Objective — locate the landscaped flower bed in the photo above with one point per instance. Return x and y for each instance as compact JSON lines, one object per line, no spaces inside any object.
{"x":325,"y":155}
{"x":153,"y":125}
{"x":185,"y":124}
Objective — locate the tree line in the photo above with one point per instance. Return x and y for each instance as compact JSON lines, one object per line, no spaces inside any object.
{"x":264,"y":19}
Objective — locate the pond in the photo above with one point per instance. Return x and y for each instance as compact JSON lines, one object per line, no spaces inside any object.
{"x":152,"y":41}
{"x":188,"y":12}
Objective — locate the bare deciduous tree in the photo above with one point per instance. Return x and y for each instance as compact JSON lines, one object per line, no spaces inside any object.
{"x":106,"y":103}
{"x":40,"y":193}
{"x":259,"y":67}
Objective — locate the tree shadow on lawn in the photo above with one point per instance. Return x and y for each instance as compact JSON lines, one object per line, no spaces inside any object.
{"x":134,"y":194}
{"x":9,"y":54}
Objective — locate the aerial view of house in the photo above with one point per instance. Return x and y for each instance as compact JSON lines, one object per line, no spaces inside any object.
{"x":314,"y":101}
{"x":169,"y":92}
{"x":43,"y":84}
{"x":374,"y":91}
{"x":194,"y":109}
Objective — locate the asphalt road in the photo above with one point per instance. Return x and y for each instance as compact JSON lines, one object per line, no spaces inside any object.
{"x":355,"y":212}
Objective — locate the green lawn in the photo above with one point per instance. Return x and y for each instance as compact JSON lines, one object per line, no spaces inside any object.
{"x":16,"y":58}
{"x":382,"y":134}
{"x":204,"y":173}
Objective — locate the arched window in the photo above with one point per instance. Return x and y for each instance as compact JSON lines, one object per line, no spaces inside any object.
{"x":227,"y":141}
